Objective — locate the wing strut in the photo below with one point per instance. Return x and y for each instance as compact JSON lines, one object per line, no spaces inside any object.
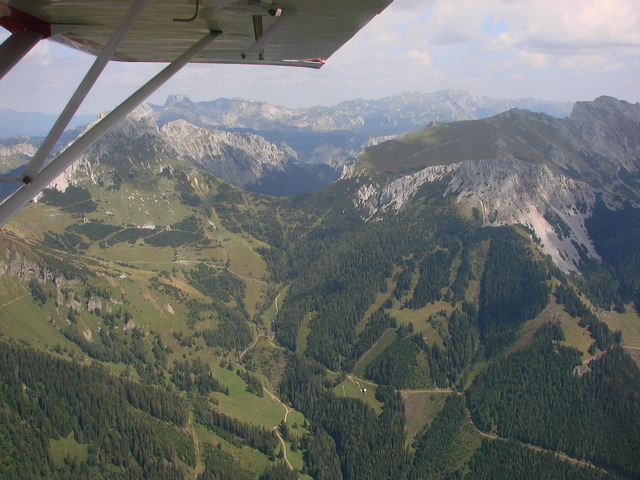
{"x":82,"y":91}
{"x":44,"y":177}
{"x":14,"y":48}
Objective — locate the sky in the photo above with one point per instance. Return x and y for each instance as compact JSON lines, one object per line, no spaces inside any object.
{"x":567,"y":50}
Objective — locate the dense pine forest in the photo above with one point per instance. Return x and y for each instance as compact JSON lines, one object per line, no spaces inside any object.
{"x":255,"y":337}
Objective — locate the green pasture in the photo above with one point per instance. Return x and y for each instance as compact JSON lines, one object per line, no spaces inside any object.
{"x":244,"y":405}
{"x":352,"y":388}
{"x":420,"y":319}
{"x":67,"y":447}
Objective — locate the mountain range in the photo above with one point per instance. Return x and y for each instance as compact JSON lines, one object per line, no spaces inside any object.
{"x":276,"y":150}
{"x":462,"y":302}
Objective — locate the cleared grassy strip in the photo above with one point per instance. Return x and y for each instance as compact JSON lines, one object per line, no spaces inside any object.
{"x":303,"y":333}
{"x":270,"y":313}
{"x":420,"y":409}
{"x":250,"y":459}
{"x":387,"y":339}
{"x":419,"y":319}
{"x":575,"y":336}
{"x":527,"y":330}
{"x":380,"y":299}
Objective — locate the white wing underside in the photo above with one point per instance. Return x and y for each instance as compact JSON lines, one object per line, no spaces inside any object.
{"x":289,"y":32}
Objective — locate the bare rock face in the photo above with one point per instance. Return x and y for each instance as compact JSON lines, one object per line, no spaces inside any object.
{"x":23,"y":148}
{"x":239,"y":158}
{"x":514,"y":192}
{"x":508,"y":192}
{"x":14,"y":155}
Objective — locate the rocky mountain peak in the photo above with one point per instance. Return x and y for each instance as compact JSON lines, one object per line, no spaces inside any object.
{"x":173,"y":100}
{"x":610,"y":127}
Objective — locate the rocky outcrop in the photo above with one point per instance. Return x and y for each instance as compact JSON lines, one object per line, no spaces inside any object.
{"x":514,"y":192}
{"x":611,"y":128}
{"x":239,"y":158}
{"x":508,"y":192}
{"x":26,"y":269}
{"x":15,"y":154}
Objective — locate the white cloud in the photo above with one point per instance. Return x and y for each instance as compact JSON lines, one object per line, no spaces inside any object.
{"x":533,"y":59}
{"x":570,"y":24}
{"x":40,"y":55}
{"x":423,"y":57}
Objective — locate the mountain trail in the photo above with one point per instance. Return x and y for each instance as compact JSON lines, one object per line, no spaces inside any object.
{"x":186,"y":262}
{"x":269,"y":335}
{"x":14,"y":300}
{"x":287,"y":410}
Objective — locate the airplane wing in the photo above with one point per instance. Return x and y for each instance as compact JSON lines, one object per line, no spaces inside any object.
{"x":289,"y":32}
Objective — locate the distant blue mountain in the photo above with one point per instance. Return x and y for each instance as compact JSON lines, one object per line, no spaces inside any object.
{"x":33,"y":124}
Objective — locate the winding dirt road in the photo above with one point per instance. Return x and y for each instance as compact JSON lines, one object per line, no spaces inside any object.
{"x":275,"y":429}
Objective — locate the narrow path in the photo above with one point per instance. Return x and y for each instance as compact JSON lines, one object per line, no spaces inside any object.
{"x":275,"y":429}
{"x":375,"y":344}
{"x":284,"y":448}
{"x":287,"y":410}
{"x":262,"y":335}
{"x":273,"y":396}
{"x":356,"y":380}
{"x":273,"y":334}
{"x":435,"y":147}
{"x":432,"y":390}
{"x":14,"y":300}
{"x":253,"y":344}
{"x":491,"y":436}
{"x":275,"y":302}
{"x":187,"y":262}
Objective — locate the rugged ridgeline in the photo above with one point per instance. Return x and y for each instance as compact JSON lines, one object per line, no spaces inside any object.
{"x":397,"y":114}
{"x":404,"y":322}
{"x":270,"y":149}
